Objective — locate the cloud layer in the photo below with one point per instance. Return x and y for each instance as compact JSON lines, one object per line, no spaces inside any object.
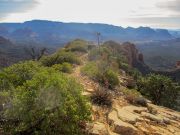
{"x":173,"y":5}
{"x":15,"y":6}
{"x":155,"y":13}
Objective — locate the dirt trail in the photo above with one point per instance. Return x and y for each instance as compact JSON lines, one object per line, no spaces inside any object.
{"x":89,"y":85}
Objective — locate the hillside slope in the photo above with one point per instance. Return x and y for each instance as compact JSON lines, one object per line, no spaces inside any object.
{"x":10,"y":53}
{"x":124,"y":118}
{"x":84,"y":89}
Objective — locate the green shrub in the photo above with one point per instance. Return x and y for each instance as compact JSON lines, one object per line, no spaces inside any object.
{"x":131,"y":95}
{"x":17,"y":74}
{"x":99,"y":72}
{"x":59,"y":58}
{"x":49,"y":103}
{"x":102,"y":97}
{"x":110,"y":79}
{"x":160,"y":89}
{"x":90,"y":70}
{"x":64,"y":67}
{"x":77,"y":45}
{"x":102,"y":73}
{"x":124,"y":66}
{"x":129,"y":70}
{"x":135,"y":74}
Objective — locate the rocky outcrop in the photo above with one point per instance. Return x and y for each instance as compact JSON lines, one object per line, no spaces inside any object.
{"x":131,"y":53}
{"x":135,"y":58}
{"x":136,"y":120}
{"x":141,"y":57}
{"x":178,"y":64}
{"x":120,"y":127}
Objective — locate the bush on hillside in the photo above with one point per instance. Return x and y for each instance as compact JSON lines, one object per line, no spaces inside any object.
{"x":101,"y":73}
{"x":49,"y":103}
{"x":102,"y":97}
{"x":59,"y":58}
{"x":109,"y":79}
{"x":124,"y":66}
{"x":18,"y":74}
{"x":91,"y":70}
{"x":131,"y":94}
{"x":160,"y":89}
{"x":129,"y":70}
{"x":135,"y":74}
{"x":64,"y":67}
{"x":77,"y":45}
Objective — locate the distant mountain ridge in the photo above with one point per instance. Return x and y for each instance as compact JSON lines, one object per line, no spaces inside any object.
{"x":49,"y":32}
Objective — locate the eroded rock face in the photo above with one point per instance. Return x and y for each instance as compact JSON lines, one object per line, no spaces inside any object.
{"x":132,"y":120}
{"x":178,"y":64}
{"x":130,"y":52}
{"x":135,"y":58}
{"x":136,"y":120}
{"x":141,"y":57}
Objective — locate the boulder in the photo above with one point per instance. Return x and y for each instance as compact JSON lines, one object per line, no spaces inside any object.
{"x":127,"y":115}
{"x":124,"y":128}
{"x":152,"y":117}
{"x":98,"y":129}
{"x":119,"y":126}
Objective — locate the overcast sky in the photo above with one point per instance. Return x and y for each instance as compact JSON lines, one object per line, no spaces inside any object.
{"x":154,"y":13}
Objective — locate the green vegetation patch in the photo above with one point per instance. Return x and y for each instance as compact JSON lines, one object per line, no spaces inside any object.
{"x":41,"y":100}
{"x":102,"y":73}
{"x":160,"y":89}
{"x":59,"y":58}
{"x":18,"y":74}
{"x":64,"y":67}
{"x":77,"y":45}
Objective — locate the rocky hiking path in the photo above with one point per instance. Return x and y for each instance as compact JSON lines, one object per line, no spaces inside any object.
{"x":89,"y":85}
{"x":126,"y":119}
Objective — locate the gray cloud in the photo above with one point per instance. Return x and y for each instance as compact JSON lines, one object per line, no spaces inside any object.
{"x":170,"y":5}
{"x":161,"y":22}
{"x":15,"y":6}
